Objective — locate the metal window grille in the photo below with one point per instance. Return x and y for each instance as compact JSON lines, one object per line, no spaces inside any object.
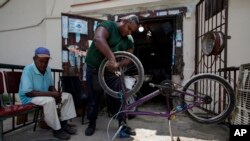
{"x":211,"y":16}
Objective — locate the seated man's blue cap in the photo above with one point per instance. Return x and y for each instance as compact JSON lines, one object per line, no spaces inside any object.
{"x":42,"y":52}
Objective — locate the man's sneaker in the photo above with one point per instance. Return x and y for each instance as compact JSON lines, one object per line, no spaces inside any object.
{"x":122,"y":134}
{"x":128,"y":130}
{"x":69,"y":129}
{"x":90,"y":130}
{"x":60,"y":134}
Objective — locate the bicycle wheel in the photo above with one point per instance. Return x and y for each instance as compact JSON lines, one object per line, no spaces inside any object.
{"x":127,"y":81}
{"x":212,"y":96}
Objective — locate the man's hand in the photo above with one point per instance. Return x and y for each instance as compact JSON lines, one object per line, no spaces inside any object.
{"x":57,"y":96}
{"x":112,"y":65}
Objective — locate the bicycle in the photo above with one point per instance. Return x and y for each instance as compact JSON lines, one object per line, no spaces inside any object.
{"x":206,"y":98}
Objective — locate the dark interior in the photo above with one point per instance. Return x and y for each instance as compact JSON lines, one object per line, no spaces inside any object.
{"x":153,"y":47}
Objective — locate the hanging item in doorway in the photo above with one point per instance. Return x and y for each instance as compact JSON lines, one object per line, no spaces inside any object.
{"x":95,"y":25}
{"x":89,"y":43}
{"x":178,"y":38}
{"x":72,"y":59}
{"x":75,"y":50}
{"x":78,"y":62}
{"x":173,"y":52}
{"x":65,"y":29}
{"x":78,"y":26}
{"x":78,"y":37}
{"x":64,"y":56}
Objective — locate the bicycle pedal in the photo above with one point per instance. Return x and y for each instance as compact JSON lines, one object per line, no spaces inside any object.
{"x":173,"y":117}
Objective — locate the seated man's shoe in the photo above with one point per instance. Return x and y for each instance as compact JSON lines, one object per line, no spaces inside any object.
{"x":60,"y":134}
{"x":69,"y":130}
{"x":128,"y":130}
{"x":90,"y":130}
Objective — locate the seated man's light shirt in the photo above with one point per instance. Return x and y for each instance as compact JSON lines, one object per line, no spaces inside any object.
{"x":33,"y":80}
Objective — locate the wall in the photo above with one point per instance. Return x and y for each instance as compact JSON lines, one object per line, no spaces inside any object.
{"x":17,"y":46}
{"x":189,"y":43}
{"x":238,"y":29}
{"x":54,"y":8}
{"x":38,"y":23}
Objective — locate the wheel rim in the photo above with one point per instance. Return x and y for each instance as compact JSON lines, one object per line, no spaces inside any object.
{"x":218,"y":95}
{"x":127,"y":81}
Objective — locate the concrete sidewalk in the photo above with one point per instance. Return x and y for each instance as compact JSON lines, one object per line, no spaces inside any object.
{"x":147,"y":129}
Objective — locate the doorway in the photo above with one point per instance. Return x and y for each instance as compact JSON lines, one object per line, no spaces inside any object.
{"x":154,"y":48}
{"x":160,"y":45}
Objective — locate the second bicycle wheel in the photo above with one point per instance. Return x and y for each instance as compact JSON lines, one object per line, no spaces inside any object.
{"x":127,"y":80}
{"x":211,"y":96}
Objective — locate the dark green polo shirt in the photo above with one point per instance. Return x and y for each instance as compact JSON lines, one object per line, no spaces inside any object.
{"x":116,"y":42}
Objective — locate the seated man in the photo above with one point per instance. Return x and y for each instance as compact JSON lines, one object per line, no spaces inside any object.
{"x":37,"y":87}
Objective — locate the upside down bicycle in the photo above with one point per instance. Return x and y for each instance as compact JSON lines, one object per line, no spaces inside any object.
{"x":206,"y":98}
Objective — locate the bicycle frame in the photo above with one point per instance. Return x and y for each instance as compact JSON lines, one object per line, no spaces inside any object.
{"x":206,"y":98}
{"x":168,"y":113}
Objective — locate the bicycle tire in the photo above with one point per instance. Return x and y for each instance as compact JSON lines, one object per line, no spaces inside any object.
{"x":215,"y":87}
{"x":133,"y":70}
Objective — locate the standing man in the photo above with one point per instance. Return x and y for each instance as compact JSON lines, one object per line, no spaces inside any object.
{"x":37,"y":87}
{"x":109,"y":37}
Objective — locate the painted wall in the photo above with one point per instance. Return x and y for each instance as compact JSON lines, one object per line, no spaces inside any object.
{"x":28,"y":24}
{"x":239,"y":30}
{"x":20,"y":32}
{"x":189,"y":44}
{"x":42,"y":19}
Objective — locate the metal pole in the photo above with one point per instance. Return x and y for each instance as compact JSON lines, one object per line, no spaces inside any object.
{"x":170,"y":130}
